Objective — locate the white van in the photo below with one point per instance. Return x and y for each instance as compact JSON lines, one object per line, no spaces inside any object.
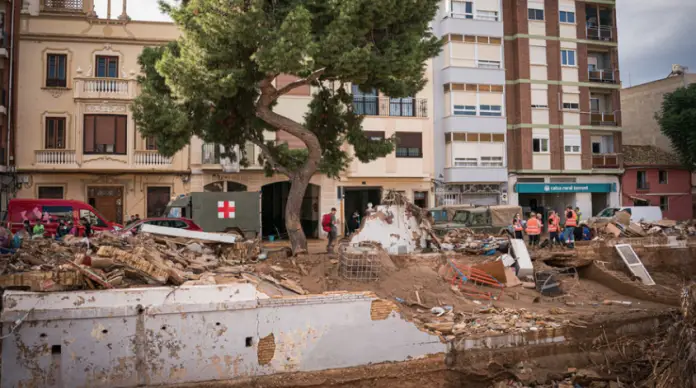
{"x":638,"y":213}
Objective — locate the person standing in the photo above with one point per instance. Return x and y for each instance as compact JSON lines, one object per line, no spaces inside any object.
{"x":354,"y":222}
{"x":39,"y":229}
{"x":517,"y":226}
{"x":554,"y":227}
{"x":328,"y":224}
{"x":578,"y":215}
{"x":570,"y":224}
{"x":533,"y":229}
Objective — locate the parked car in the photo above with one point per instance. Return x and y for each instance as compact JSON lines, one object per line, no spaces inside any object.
{"x":51,"y":211}
{"x":638,"y":213}
{"x":181,"y":223}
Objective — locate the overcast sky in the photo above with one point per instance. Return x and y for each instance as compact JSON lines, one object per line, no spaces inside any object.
{"x":653,"y":35}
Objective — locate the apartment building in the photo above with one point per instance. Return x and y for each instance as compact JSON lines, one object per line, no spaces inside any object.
{"x":9,"y":25}
{"x":563,"y":104}
{"x":469,"y":94}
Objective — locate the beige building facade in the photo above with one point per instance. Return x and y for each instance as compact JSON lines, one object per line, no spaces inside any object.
{"x":76,"y":138}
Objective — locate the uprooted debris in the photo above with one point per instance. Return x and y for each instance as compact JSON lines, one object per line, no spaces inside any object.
{"x":118,"y":261}
{"x":621,"y":226}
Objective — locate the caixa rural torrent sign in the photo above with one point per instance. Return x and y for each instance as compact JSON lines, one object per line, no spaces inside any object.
{"x":565,"y":187}
{"x":225,"y":209}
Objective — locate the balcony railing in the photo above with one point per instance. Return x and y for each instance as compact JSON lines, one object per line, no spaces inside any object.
{"x":62,"y":5}
{"x":55,"y":157}
{"x":151,"y":158}
{"x":212,"y":154}
{"x":603,"y":119}
{"x":459,"y":11}
{"x":105,"y":88}
{"x":395,"y":107}
{"x":601,"y":161}
{"x":602,"y":75}
{"x":599,"y":32}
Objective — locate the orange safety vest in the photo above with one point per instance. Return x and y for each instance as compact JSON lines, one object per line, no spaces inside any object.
{"x":533,"y":227}
{"x":553,"y":224}
{"x":518,"y":226}
{"x":573,"y":220}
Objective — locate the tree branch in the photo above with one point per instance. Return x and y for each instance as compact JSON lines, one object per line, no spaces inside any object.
{"x":267,"y":151}
{"x":300,"y":82}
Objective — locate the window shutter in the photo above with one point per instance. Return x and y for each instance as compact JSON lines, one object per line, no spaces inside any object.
{"x":89,"y":134}
{"x":409,"y":140}
{"x":105,"y":131}
{"x":121,"y":135}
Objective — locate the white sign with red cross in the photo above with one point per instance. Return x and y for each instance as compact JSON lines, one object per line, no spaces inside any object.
{"x":225,"y":209}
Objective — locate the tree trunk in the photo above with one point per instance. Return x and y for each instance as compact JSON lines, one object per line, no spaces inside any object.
{"x":293,"y":210}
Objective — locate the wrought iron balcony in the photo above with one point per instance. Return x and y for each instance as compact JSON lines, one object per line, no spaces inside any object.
{"x":394,"y":107}
{"x":68,"y":6}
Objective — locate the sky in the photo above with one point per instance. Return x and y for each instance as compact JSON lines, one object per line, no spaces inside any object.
{"x":653,"y":35}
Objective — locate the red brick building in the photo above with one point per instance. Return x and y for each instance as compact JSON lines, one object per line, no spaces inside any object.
{"x":655,"y":177}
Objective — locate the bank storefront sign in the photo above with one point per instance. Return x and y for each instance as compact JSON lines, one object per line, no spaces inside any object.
{"x":553,"y":188}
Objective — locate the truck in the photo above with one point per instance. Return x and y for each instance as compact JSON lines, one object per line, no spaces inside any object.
{"x":220,"y":211}
{"x":481,"y":219}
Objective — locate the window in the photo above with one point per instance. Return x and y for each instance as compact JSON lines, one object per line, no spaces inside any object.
{"x":465,"y":110}
{"x":401,"y":107}
{"x":662,"y":177}
{"x":105,"y":134}
{"x":571,"y":144}
{"x":568,"y":57}
{"x":150,"y":143}
{"x":409,"y":145}
{"x":491,"y":161}
{"x":536,"y":14}
{"x":420,"y":199}
{"x":365,"y":103}
{"x":642,"y":180}
{"x":55,"y":133}
{"x":594,"y":104}
{"x":50,"y":192}
{"x":374,"y":135}
{"x":491,"y":110}
{"x":59,"y":212}
{"x":463,"y":9}
{"x":567,"y":17}
{"x":571,"y":105}
{"x":465,"y":162}
{"x":540,"y":145}
{"x":107,"y":67}
{"x":664,"y":203}
{"x":56,"y":72}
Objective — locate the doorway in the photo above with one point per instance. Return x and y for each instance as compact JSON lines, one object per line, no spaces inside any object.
{"x":274,"y":198}
{"x":108,"y":200}
{"x":157,"y":200}
{"x":600,"y":201}
{"x":357,"y":198}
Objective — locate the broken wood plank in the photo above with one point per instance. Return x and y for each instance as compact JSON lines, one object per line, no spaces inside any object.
{"x":190,"y":234}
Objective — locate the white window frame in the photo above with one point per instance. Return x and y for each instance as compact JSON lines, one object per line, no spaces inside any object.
{"x":491,"y":161}
{"x":491,"y":110}
{"x":466,"y":108}
{"x":570,"y":106}
{"x":566,"y":53}
{"x":543,"y":141}
{"x":465,"y":162}
{"x":462,"y":15}
{"x":560,"y":14}
{"x":572,"y":144}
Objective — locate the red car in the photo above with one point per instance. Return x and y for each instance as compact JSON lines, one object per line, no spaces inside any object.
{"x":181,"y":223}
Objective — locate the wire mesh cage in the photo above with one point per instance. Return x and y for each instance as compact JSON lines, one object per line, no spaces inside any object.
{"x":361,"y":265}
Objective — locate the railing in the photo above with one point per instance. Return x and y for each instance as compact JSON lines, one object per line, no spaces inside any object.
{"x":55,"y":157}
{"x":492,"y":16}
{"x":117,"y":88}
{"x":602,"y":75}
{"x":459,"y":198}
{"x":395,"y":107}
{"x":62,"y":5}
{"x":151,"y":158}
{"x":606,"y":161}
{"x":599,"y":32}
{"x":603,"y":119}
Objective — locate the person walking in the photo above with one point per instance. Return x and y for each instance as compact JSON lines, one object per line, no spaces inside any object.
{"x":517,"y":227}
{"x":533,"y":230}
{"x":328,"y":224}
{"x":570,"y":224}
{"x":554,"y":228}
{"x":354,"y":222}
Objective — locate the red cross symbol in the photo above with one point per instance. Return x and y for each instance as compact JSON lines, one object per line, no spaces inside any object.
{"x":226,"y":209}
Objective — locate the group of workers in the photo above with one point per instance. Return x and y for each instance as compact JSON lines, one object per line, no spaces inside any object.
{"x":63,"y":229}
{"x":557,"y":235}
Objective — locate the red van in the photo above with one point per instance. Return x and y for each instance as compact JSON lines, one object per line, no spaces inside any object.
{"x":54,"y":210}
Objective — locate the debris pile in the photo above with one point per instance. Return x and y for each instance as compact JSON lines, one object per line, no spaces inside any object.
{"x":118,"y":261}
{"x":622,"y":226}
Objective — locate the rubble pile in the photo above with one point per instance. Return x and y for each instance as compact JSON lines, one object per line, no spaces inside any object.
{"x":622,"y":226}
{"x":466,"y":241}
{"x":119,"y":261}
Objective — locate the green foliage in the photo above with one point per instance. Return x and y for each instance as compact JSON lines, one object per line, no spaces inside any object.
{"x":208,"y":82}
{"x":677,"y":120}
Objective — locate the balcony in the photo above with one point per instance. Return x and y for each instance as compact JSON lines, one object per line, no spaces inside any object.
{"x":105,"y":88}
{"x":605,"y":76}
{"x":601,"y":33}
{"x":151,"y":159}
{"x":67,"y":6}
{"x":390,"y":107}
{"x":603,"y":119}
{"x":55,"y":157}
{"x":211,"y":157}
{"x":606,"y":161}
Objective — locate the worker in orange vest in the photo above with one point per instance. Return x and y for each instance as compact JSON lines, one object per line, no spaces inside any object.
{"x":554,"y":227}
{"x":570,"y":224}
{"x":533,"y":229}
{"x":517,"y":226}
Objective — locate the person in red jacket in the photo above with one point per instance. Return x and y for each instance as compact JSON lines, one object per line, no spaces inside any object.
{"x":328,"y":224}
